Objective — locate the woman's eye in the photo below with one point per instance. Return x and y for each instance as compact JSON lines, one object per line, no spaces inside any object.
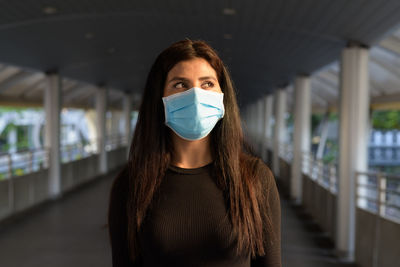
{"x":208,"y":84}
{"x":179,"y":85}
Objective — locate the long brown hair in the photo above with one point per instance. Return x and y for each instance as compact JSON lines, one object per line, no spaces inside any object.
{"x":235,"y":170}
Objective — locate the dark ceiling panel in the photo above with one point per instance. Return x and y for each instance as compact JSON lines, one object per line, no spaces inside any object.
{"x":264,"y":44}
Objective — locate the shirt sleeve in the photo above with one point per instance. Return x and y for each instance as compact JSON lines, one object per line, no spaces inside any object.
{"x":272,"y":258}
{"x":117,"y":222}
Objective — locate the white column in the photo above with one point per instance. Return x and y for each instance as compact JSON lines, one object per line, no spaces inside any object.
{"x":301,"y":133}
{"x":101,"y":108}
{"x":52,"y":105}
{"x":279,"y":129}
{"x":353,"y":141}
{"x":127,"y":117}
{"x":253,"y":123}
{"x":260,"y":126}
{"x":268,"y":102}
{"x":251,"y":120}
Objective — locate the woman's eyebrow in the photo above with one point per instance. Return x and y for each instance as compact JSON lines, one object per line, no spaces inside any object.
{"x":208,"y":78}
{"x":186,"y":80}
{"x":178,"y":79}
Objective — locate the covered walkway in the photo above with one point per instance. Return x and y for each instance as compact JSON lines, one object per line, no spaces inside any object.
{"x":289,"y":60}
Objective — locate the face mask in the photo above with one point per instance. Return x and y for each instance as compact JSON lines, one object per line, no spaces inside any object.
{"x":193,"y":113}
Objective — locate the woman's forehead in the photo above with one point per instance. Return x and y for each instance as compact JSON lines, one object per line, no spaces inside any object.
{"x":193,"y":68}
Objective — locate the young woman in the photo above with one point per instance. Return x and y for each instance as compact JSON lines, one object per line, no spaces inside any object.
{"x":191,"y":195}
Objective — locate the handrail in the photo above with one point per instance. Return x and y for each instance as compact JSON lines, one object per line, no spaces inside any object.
{"x":23,"y":161}
{"x":114,"y":141}
{"x":29,"y":160}
{"x":379,"y":193}
{"x":76,"y":151}
{"x":286,"y":152}
{"x":325,"y":174}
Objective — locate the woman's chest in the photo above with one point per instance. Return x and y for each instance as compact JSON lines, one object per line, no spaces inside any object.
{"x":189,"y":217}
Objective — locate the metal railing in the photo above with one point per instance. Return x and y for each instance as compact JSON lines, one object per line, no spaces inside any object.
{"x":27,"y":161}
{"x":23,"y":162}
{"x":379,"y":193}
{"x":115,"y":141}
{"x":325,"y":174}
{"x":78,"y":151}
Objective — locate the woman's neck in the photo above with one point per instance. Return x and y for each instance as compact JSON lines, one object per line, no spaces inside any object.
{"x":191,"y":154}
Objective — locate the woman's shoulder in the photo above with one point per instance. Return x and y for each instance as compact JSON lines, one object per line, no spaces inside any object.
{"x":257,"y":168}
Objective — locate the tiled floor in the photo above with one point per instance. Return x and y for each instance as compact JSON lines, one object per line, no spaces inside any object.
{"x":70,"y":232}
{"x":302,"y":244}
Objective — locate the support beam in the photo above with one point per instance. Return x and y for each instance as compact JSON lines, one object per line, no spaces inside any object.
{"x":302,"y":133}
{"x":353,"y":141}
{"x":101,"y":108}
{"x":260,"y":126}
{"x":78,"y":91}
{"x":52,"y":103}
{"x":127,"y":117}
{"x":14,"y":80}
{"x":268,"y":117}
{"x":279,"y":127}
{"x":31,"y":88}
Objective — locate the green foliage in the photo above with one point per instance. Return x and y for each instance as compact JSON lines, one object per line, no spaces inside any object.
{"x":17,"y":109}
{"x":315,"y":121}
{"x":386,"y":119}
{"x":22,"y":137}
{"x":333,"y":116}
{"x":290,"y":119}
{"x":331,"y":151}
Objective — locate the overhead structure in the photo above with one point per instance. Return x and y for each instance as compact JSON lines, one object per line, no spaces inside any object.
{"x":265,"y":44}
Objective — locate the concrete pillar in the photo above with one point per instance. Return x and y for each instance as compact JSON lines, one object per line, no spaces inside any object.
{"x":127,"y":117}
{"x":252,"y":122}
{"x":353,"y":141}
{"x":52,"y":106}
{"x":279,"y":129}
{"x":268,"y":104}
{"x":101,"y":108}
{"x":301,"y":133}
{"x":36,"y":135}
{"x":260,"y":126}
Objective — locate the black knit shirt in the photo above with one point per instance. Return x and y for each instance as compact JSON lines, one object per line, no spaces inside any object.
{"x":187,"y":224}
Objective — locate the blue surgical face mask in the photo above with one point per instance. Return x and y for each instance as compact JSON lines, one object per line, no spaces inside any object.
{"x":193,"y":113}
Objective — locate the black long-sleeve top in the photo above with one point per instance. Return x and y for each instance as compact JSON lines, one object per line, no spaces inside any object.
{"x":187,"y":225}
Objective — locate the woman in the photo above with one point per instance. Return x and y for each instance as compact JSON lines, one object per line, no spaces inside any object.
{"x":190,"y":194}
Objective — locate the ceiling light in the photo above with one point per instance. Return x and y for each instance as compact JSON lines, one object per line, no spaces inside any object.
{"x":49,"y":10}
{"x":228,"y":11}
{"x":227,"y":36}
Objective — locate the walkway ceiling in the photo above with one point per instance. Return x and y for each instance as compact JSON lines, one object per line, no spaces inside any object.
{"x":264,"y":43}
